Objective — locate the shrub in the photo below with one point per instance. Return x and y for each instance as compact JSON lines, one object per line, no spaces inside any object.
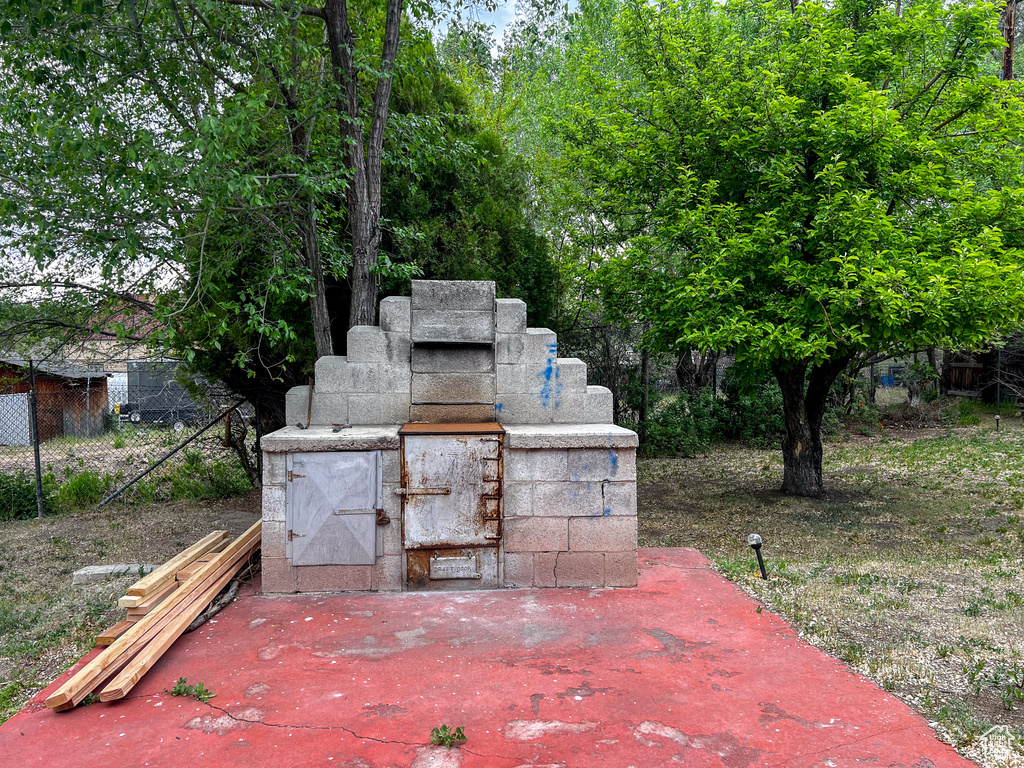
{"x":82,"y":489}
{"x":18,"y":497}
{"x":681,"y":426}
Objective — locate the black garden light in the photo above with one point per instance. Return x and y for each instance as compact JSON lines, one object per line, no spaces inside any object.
{"x":755,"y":542}
{"x":997,"y":422}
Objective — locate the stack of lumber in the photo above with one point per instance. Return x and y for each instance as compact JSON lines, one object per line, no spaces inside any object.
{"x":122,"y":663}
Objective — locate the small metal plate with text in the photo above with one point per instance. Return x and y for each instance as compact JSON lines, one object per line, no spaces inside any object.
{"x":453,"y":568}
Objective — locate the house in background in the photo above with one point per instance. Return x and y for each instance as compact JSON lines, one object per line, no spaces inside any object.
{"x":71,"y":400}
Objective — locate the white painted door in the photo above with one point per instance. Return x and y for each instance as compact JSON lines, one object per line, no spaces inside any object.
{"x":331,"y":505}
{"x":453,"y":491}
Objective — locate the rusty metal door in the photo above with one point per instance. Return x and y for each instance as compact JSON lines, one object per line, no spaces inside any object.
{"x":331,"y":504}
{"x":452,"y":491}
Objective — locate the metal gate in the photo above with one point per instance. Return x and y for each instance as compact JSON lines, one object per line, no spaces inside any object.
{"x":452,"y":505}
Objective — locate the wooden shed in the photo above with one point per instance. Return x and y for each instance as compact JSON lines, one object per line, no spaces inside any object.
{"x":71,"y":400}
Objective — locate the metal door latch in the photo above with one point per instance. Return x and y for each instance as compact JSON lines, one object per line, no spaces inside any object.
{"x":382,"y":517}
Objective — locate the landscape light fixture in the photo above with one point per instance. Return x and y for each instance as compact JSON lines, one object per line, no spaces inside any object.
{"x":997,"y":422}
{"x":755,"y":542}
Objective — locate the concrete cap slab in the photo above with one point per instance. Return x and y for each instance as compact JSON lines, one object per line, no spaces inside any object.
{"x":355,"y":438}
{"x":569,"y":436}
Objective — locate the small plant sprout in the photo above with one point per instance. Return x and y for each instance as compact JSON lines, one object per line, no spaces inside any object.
{"x":443,"y":736}
{"x":198,"y":691}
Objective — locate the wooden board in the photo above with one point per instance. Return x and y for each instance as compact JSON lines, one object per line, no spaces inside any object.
{"x":135,"y":602}
{"x":165,"y":573}
{"x":110,"y":635}
{"x":122,"y":649}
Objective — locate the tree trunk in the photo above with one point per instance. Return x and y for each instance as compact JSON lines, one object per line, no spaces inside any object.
{"x":318,"y":300}
{"x":804,"y":407}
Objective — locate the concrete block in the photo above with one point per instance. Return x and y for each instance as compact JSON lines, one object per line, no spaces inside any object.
{"x":386,"y":575}
{"x":528,"y":466}
{"x":395,"y":314}
{"x":397,"y":348}
{"x":273,"y":503}
{"x":551,"y":436}
{"x":570,"y":408}
{"x":396,"y":378}
{"x":391,"y":467}
{"x":329,"y":409}
{"x":277,"y":576}
{"x":378,"y":437}
{"x":452,"y":414}
{"x":544,"y":569}
{"x":378,"y":409}
{"x":572,"y":372}
{"x":518,"y":499}
{"x":519,"y":569}
{"x":511,"y":379}
{"x":620,"y":569}
{"x":336,"y":375}
{"x":580,"y":569}
{"x":510,"y":348}
{"x":541,"y":344}
{"x":600,"y":407}
{"x":295,"y":405}
{"x":566,"y":499}
{"x":273,"y":538}
{"x":453,"y":294}
{"x":619,"y":498}
{"x":274,"y":467}
{"x":511,"y":315}
{"x":94,"y":574}
{"x":462,"y":326}
{"x":536,"y":534}
{"x":333,"y":578}
{"x":392,"y":534}
{"x":602,"y":464}
{"x":602,"y":534}
{"x":453,"y":388}
{"x":453,"y":360}
{"x":366,"y":344}
{"x":522,"y":409}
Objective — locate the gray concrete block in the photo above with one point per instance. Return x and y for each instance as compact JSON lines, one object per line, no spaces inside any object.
{"x":567,"y":499}
{"x":619,"y":498}
{"x":462,"y":326}
{"x":536,"y":534}
{"x":397,"y":348}
{"x":396,"y":379}
{"x":620,"y":569}
{"x":572,"y":372}
{"x":602,"y":534}
{"x":378,"y":409}
{"x":395,"y":314}
{"x":274,"y":503}
{"x":387,"y":574}
{"x":391,"y":467}
{"x":518,"y":569}
{"x":330,"y":409}
{"x":600,"y":407}
{"x":278,"y":576}
{"x":522,"y":409}
{"x":336,"y":375}
{"x":274,"y":468}
{"x":570,"y":408}
{"x":451,"y":414}
{"x":509,"y":348}
{"x":296,"y":405}
{"x":580,"y":569}
{"x":453,"y":360}
{"x":94,"y":574}
{"x":511,"y":315}
{"x":530,"y":466}
{"x":541,"y":345}
{"x":518,"y":498}
{"x":366,"y":344}
{"x":453,"y":294}
{"x":602,"y":464}
{"x":511,"y":379}
{"x":273,"y":538}
{"x":453,"y":388}
{"x":551,"y":436}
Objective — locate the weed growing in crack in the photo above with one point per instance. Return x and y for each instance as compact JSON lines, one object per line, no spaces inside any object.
{"x":198,"y":691}
{"x":443,"y":736}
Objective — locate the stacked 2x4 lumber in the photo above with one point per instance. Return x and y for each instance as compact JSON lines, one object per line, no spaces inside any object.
{"x":151,"y":602}
{"x":159,"y":578}
{"x":117,"y":668}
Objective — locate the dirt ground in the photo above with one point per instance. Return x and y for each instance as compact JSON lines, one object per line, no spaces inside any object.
{"x":910,"y":570}
{"x":45,"y":623}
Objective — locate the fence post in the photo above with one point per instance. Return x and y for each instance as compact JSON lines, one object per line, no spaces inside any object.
{"x":33,"y":420}
{"x":259,"y":439}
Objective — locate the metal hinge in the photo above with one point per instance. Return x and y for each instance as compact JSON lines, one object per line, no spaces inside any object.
{"x":293,"y":535}
{"x":293,"y":475}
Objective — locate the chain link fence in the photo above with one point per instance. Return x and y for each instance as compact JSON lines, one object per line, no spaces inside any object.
{"x":95,"y":435}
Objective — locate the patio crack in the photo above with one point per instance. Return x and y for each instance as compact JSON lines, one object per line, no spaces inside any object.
{"x":845,"y":744}
{"x":349,"y":731}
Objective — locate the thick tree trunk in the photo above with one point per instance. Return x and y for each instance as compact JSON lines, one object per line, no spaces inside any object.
{"x":318,"y":300}
{"x":696,"y":372}
{"x":804,"y":396}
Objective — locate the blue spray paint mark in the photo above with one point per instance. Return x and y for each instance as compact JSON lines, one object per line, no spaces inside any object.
{"x":498,"y":406}
{"x":613,"y":457}
{"x":551,"y":386}
{"x":607,"y":511}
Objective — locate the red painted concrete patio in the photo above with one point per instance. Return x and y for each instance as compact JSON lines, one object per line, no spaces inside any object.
{"x":682,"y":670}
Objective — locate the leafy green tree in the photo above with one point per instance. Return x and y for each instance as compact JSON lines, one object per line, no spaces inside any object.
{"x":804,"y":183}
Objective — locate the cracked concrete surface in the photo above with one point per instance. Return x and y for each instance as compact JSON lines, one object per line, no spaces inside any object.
{"x":682,"y":671}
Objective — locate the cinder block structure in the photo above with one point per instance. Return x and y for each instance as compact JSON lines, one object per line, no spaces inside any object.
{"x":450,"y":449}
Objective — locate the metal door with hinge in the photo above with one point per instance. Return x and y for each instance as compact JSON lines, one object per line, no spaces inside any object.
{"x":331,"y":507}
{"x":451,"y":489}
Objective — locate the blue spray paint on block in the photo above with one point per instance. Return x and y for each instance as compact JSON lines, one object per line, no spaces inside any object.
{"x":551,"y":386}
